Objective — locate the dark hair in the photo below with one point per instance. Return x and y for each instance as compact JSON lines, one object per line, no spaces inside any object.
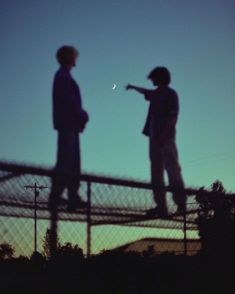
{"x":161,"y":75}
{"x":66,"y":54}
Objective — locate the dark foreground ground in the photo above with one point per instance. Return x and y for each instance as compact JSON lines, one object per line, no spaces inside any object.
{"x":117,"y":273}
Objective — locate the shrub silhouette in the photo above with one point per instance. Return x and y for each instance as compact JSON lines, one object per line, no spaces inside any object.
{"x":216,"y":222}
{"x":6,"y":251}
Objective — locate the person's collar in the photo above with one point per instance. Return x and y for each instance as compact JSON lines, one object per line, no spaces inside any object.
{"x":162,"y":87}
{"x":66,"y":68}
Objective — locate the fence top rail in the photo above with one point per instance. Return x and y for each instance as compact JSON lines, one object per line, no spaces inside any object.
{"x":21,"y":169}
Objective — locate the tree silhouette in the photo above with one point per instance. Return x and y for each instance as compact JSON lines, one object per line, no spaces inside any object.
{"x":46,"y":244}
{"x":6,"y":251}
{"x":70,"y":251}
{"x":216,"y":222}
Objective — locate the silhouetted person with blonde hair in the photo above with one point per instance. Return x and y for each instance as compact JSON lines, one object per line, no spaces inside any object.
{"x":69,"y":120}
{"x":160,"y":127}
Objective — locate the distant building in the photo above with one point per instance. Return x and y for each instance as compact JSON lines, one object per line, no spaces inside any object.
{"x":159,"y":246}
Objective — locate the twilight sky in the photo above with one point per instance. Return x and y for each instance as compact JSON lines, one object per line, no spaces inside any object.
{"x":120,"y":42}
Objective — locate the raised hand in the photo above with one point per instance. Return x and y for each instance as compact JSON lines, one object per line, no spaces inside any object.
{"x":129,"y":87}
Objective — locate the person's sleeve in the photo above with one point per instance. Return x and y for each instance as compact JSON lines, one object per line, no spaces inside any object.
{"x":173,"y":104}
{"x":75,"y":101}
{"x":149,"y":95}
{"x":69,"y":95}
{"x":80,"y":112}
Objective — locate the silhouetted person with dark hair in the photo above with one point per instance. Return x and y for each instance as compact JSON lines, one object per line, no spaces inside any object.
{"x":160,"y":127}
{"x":69,"y":119}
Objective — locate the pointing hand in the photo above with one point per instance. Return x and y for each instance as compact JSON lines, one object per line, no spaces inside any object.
{"x":129,"y":86}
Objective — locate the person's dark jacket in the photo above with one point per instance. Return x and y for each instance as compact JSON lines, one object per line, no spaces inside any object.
{"x":163,"y":104}
{"x":68,"y":113}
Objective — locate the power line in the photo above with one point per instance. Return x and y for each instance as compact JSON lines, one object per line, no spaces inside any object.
{"x":210,"y":158}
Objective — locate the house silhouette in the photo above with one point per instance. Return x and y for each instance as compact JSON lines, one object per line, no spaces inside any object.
{"x":159,"y":246}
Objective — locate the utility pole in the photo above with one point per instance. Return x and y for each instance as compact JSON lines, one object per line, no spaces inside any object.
{"x":36,"y":189}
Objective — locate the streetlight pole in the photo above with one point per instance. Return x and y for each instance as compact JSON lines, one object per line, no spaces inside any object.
{"x":36,"y":189}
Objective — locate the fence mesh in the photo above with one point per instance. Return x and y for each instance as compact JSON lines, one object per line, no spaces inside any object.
{"x":117,"y":217}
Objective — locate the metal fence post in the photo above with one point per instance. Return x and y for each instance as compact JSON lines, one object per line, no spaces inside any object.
{"x":185,"y":231}
{"x":53,"y":233}
{"x":89,"y":219}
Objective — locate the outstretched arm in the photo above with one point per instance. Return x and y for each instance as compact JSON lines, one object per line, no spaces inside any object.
{"x":138,"y":89}
{"x":148,"y":94}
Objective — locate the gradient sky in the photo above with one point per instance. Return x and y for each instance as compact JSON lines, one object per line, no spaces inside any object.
{"x":120,"y":42}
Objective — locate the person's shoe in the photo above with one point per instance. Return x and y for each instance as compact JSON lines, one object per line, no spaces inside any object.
{"x":77,"y":203}
{"x":158,"y":212}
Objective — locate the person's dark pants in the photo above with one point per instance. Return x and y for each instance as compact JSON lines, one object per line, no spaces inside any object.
{"x":68,"y":167}
{"x":163,"y":158}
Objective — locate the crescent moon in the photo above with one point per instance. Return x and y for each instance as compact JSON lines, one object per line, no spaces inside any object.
{"x":114,"y":86}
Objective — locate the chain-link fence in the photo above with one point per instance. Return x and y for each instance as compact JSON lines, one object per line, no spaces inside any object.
{"x":116,"y":219}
